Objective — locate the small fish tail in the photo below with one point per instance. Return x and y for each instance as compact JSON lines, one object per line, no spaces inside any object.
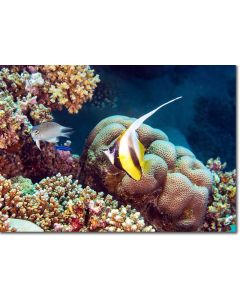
{"x":66,"y":131}
{"x":63,"y":129}
{"x":66,"y":134}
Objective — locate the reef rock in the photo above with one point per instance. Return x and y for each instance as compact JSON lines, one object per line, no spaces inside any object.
{"x":172,"y":195}
{"x":24,"y":226}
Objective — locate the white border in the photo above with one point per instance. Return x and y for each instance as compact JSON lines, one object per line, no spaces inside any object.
{"x":172,"y":266}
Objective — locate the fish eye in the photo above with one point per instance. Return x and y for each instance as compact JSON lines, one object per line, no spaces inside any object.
{"x":36,"y":132}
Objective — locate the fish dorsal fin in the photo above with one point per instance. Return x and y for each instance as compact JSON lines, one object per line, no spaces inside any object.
{"x":136,"y":124}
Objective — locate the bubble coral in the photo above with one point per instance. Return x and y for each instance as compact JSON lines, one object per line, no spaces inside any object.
{"x":60,"y":204}
{"x":173,"y":192}
{"x":221,"y":210}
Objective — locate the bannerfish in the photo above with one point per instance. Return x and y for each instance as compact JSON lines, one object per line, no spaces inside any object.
{"x":127,"y":152}
{"x":49,"y":132}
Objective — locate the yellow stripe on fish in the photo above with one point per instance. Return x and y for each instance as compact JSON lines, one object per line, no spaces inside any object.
{"x":131,"y":155}
{"x":127,"y":152}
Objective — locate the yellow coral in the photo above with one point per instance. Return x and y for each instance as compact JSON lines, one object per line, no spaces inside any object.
{"x":56,"y":87}
{"x":68,"y":86}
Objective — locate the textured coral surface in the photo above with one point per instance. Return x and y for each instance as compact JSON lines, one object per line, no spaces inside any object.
{"x":221,"y":213}
{"x":174,"y":189}
{"x":28,"y":96}
{"x":56,"y":86}
{"x":60,"y":204}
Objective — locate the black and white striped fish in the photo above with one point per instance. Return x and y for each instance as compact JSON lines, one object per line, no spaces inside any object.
{"x":127,"y":152}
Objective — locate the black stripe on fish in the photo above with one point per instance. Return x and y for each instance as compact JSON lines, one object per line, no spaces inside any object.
{"x":117,"y":162}
{"x":135,"y":159}
{"x":133,"y":154}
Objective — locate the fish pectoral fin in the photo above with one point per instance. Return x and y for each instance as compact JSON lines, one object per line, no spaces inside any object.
{"x":38,"y":144}
{"x":53,"y":140}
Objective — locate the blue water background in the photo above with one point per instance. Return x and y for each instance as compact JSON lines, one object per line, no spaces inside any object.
{"x":204,"y":120}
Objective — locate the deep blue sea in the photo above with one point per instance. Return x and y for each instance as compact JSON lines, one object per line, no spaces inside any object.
{"x":204,"y":120}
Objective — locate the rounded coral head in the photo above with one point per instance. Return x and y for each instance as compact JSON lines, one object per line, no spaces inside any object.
{"x":174,"y":188}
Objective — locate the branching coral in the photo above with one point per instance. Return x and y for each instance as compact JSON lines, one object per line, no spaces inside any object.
{"x":173,"y":191}
{"x":55,"y":86}
{"x":221,"y":211}
{"x":59,"y":203}
{"x":68,"y":86}
{"x":4,"y":224}
{"x":28,"y":94}
{"x":16,"y":118}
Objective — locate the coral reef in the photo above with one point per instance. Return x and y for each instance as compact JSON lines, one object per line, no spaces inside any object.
{"x":16,"y":118}
{"x":56,"y":86}
{"x":36,"y":165}
{"x":41,"y":191}
{"x":4,"y":224}
{"x":173,"y":192}
{"x":221,"y":211}
{"x":60,"y":204}
{"x":28,"y":96}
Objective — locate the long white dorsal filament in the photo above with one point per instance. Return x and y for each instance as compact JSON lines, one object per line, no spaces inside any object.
{"x":135,"y":125}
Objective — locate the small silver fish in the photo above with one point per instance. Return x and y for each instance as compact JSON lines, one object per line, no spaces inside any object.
{"x":49,"y":132}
